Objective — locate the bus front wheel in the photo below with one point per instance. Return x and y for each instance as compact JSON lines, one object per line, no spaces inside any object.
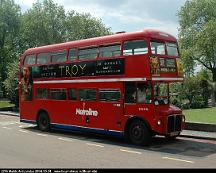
{"x":43,"y":121}
{"x":139,"y":133}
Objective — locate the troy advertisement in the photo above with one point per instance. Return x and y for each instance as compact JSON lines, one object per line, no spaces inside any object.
{"x":26,"y":84}
{"x":90,"y":68}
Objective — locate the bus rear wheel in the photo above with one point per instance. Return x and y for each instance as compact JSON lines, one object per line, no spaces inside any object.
{"x":43,"y":121}
{"x":139,"y":133}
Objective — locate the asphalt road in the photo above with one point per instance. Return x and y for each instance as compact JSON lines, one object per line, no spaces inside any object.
{"x":24,"y":146}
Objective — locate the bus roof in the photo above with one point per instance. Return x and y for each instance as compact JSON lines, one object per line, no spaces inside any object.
{"x":109,"y":39}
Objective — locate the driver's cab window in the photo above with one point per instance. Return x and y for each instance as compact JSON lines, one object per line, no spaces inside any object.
{"x":144,"y":93}
{"x":138,"y":92}
{"x":161,"y":94}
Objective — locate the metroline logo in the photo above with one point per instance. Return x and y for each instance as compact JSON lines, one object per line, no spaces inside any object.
{"x":88,"y":112}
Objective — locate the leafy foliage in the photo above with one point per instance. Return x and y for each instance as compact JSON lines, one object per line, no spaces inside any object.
{"x":197,"y":36}
{"x":12,"y":81}
{"x":45,"y":23}
{"x":193,"y":93}
{"x":9,"y":30}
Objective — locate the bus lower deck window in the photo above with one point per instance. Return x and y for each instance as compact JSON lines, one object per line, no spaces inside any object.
{"x":109,"y":95}
{"x":87,"y":94}
{"x":72,"y":94}
{"x":58,"y":94}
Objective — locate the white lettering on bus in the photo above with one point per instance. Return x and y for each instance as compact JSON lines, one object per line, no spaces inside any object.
{"x":72,"y":70}
{"x":89,"y":112}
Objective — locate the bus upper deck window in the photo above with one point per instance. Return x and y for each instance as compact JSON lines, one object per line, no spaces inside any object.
{"x":59,"y":56}
{"x":172,"y":49}
{"x":110,"y":51}
{"x":135,"y":47}
{"x":158,"y":48}
{"x":30,"y":60}
{"x":89,"y":53}
{"x":43,"y":58}
{"x":72,"y":54}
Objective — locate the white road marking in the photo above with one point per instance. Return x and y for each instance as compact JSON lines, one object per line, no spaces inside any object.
{"x":7,"y":128}
{"x":6,"y":123}
{"x":23,"y":131}
{"x":26,"y":126}
{"x":130,"y":151}
{"x":96,"y":145}
{"x":65,"y":139}
{"x":175,"y":159}
{"x":39,"y":134}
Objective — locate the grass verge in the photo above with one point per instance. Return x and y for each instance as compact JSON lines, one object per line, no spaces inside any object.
{"x":207,"y":115}
{"x":5,"y":104}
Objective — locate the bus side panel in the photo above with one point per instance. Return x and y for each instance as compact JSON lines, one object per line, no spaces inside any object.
{"x":138,"y":66}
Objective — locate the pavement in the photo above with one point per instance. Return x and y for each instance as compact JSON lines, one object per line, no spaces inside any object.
{"x":199,"y":134}
{"x":190,"y":133}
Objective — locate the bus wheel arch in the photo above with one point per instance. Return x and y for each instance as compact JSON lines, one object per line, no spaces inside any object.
{"x":138,"y":131}
{"x":43,"y":120}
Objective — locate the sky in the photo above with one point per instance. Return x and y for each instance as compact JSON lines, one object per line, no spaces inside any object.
{"x":126,"y":15}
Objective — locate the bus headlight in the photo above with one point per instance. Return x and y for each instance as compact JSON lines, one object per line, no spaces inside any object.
{"x":158,"y":122}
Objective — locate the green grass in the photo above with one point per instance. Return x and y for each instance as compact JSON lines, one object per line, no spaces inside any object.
{"x":5,"y":104}
{"x":207,"y":115}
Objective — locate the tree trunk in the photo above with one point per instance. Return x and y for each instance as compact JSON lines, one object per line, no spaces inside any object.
{"x":213,"y":95}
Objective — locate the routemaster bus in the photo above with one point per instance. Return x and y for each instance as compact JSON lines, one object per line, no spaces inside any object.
{"x":116,"y":84}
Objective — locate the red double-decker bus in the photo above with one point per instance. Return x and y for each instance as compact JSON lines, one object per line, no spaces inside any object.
{"x":116,"y":84}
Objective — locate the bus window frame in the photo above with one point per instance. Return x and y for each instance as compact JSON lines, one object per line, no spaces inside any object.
{"x":57,"y":52}
{"x":97,"y":96}
{"x":152,"y":92}
{"x":177,"y":47}
{"x":136,"y":39}
{"x":68,"y":52}
{"x":39,"y":99}
{"x":45,"y":63}
{"x":66,"y":94}
{"x":107,"y":45}
{"x":29,"y":65}
{"x":88,"y":47}
{"x":158,"y":41}
{"x":121,"y":99}
{"x":76,"y":94}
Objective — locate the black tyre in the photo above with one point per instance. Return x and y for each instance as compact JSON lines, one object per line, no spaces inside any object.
{"x":139,"y":133}
{"x":43,"y":121}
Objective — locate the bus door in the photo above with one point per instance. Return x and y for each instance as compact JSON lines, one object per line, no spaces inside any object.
{"x":138,"y":100}
{"x":111,"y":108}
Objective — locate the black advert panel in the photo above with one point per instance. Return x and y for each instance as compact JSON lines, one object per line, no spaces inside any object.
{"x":90,"y":68}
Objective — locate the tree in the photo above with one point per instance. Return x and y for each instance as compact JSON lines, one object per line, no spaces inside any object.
{"x":47,"y":23}
{"x":43,"y":24}
{"x":198,"y":35}
{"x":12,"y":81}
{"x":193,"y":93}
{"x":9,"y":30}
{"x":82,"y":26}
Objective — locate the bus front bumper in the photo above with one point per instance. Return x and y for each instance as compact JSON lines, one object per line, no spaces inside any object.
{"x":169,"y":125}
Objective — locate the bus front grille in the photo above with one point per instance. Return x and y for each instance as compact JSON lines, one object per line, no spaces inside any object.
{"x":174,"y":123}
